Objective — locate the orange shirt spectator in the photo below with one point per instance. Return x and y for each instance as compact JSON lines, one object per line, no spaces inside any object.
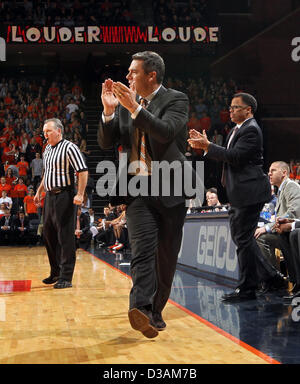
{"x":205,"y":122}
{"x":53,"y":91}
{"x":10,"y":180}
{"x":8,"y":101}
{"x":194,"y":122}
{"x":23,"y":167}
{"x":9,"y":154}
{"x":29,"y":205}
{"x":21,"y":189}
{"x":224,"y":116}
{"x":4,"y":186}
{"x":39,"y":140}
{"x":3,"y":139}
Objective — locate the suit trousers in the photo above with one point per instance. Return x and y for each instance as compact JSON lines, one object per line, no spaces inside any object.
{"x":243,"y":223}
{"x":294,"y":239}
{"x":268,"y":242}
{"x":58,"y":233}
{"x":155,"y":234}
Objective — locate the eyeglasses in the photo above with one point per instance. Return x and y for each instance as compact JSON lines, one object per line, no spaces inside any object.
{"x":235,"y":107}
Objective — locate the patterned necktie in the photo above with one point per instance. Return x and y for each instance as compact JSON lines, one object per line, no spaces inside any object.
{"x":145,"y":160}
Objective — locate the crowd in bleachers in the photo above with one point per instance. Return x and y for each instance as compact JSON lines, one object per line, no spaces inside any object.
{"x":24,"y":106}
{"x":209,"y":101}
{"x":67,"y":12}
{"x":180,"y":13}
{"x":102,"y":12}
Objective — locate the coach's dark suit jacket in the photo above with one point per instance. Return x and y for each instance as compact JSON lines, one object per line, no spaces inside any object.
{"x":246,"y":183}
{"x":164,"y":123}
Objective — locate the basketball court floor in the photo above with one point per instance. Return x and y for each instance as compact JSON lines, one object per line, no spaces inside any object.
{"x":88,"y":324}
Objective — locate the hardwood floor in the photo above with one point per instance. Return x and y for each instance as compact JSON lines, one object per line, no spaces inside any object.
{"x":88,"y":323}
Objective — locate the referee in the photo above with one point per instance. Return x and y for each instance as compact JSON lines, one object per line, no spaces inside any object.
{"x":61,"y":159}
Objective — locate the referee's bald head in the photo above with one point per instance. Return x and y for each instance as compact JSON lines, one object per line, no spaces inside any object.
{"x":57,"y":124}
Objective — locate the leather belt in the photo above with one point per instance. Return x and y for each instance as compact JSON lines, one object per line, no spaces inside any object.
{"x":57,"y":190}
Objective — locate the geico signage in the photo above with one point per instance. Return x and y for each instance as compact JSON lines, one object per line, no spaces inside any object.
{"x":215,"y":247}
{"x":296,"y":51}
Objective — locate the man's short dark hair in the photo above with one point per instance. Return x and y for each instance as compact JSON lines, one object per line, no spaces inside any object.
{"x":248,"y":100}
{"x":213,"y":190}
{"x":152,"y":61}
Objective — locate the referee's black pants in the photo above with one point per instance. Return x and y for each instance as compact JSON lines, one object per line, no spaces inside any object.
{"x":155,"y":234}
{"x":59,"y":233}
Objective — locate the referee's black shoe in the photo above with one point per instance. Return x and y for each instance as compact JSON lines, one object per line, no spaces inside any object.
{"x":62,"y":284}
{"x":50,"y":280}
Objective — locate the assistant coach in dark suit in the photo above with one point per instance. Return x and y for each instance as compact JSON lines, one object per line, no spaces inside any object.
{"x":154,"y":223}
{"x":247,"y":187}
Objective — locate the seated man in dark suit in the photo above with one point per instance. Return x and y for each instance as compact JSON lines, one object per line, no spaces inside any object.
{"x":6,"y":228}
{"x":21,"y":228}
{"x":83,"y":234}
{"x":293,"y":228}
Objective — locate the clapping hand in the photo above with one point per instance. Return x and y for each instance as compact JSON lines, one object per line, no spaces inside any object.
{"x":108,"y":98}
{"x":198,"y":140}
{"x":126,"y":96}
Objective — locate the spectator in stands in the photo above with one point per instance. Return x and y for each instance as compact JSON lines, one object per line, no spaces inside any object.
{"x":6,"y":200}
{"x":31,"y":150}
{"x":84,"y":150}
{"x":288,"y":205}
{"x":200,"y":108}
{"x":30,"y":209}
{"x":21,"y":228}
{"x":6,"y":228}
{"x":105,"y":235}
{"x":214,"y":112}
{"x":194,"y":122}
{"x":37,"y":169}
{"x":23,"y":168}
{"x":4,"y":186}
{"x":84,"y":125}
{"x":2,"y":209}
{"x":9,"y":153}
{"x":120,"y":230}
{"x":217,"y":138}
{"x":205,"y":122}
{"x":72,"y":106}
{"x":21,"y":191}
{"x":213,"y":200}
{"x":83,"y":235}
{"x":9,"y":177}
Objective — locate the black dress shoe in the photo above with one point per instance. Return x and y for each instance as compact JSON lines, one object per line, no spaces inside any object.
{"x":158,"y":322}
{"x":50,"y":280}
{"x":140,"y":321}
{"x":239,"y":295}
{"x":279,"y":281}
{"x":62,"y":284}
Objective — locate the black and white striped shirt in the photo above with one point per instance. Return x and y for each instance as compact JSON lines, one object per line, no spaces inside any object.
{"x":60,"y":163}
